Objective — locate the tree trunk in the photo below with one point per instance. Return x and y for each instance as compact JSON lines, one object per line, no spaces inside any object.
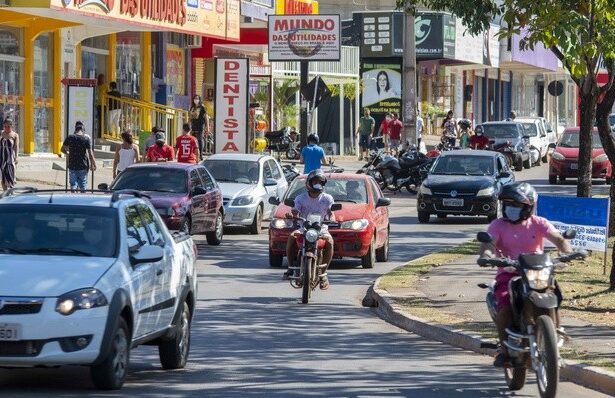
{"x":588,"y":113}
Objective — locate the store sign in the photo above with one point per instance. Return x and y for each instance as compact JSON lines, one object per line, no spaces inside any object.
{"x":296,"y":7}
{"x":304,"y":38}
{"x":468,"y":48}
{"x":377,"y":35}
{"x":231,"y":105}
{"x":382,"y":80}
{"x":80,"y":107}
{"x":435,"y":36}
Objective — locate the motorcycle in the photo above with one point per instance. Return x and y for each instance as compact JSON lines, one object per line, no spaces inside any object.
{"x":443,"y":146}
{"x":506,"y":149}
{"x":308,"y":273}
{"x":534,"y":341}
{"x":369,"y":168}
{"x":408,"y":171}
{"x":290,"y":172}
{"x":283,"y":141}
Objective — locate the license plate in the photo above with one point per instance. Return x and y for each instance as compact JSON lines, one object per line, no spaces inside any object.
{"x":574,"y":166}
{"x":452,"y":202}
{"x":10,"y":332}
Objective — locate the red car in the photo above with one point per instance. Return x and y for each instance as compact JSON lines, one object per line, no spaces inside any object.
{"x":364,"y":220}
{"x":565,"y":159}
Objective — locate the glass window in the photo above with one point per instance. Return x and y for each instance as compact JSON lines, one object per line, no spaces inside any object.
{"x":530,"y":129}
{"x":275,"y":170}
{"x":239,"y":171}
{"x":153,"y":226}
{"x":464,"y":165}
{"x":500,"y":130}
{"x":10,"y":41}
{"x":570,"y":139}
{"x":353,"y":191}
{"x":43,"y":65}
{"x":128,"y":63}
{"x":195,"y":180}
{"x":267,"y":173}
{"x":176,"y":69}
{"x":208,"y":182}
{"x":99,"y":42}
{"x":153,"y":180}
{"x":135,"y":229}
{"x":375,"y":191}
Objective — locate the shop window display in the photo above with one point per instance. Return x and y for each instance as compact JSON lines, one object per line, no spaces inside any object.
{"x":43,"y":91}
{"x":11,"y":77}
{"x":128,"y":63}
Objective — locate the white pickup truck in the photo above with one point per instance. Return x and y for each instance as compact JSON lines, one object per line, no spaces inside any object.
{"x":85,"y":278}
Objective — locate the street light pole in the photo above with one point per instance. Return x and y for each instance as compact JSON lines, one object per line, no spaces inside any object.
{"x":409,"y":87}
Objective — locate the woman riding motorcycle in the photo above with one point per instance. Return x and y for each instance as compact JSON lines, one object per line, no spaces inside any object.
{"x":517,"y":232}
{"x":314,"y":201}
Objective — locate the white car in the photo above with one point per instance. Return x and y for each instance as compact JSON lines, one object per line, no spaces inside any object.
{"x":85,"y":278}
{"x":247,"y":182}
{"x":539,"y":141}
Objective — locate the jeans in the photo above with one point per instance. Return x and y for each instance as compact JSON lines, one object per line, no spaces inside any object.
{"x":78,"y":179}
{"x":200,"y":139}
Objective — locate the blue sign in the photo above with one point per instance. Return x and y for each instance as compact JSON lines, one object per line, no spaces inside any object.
{"x":573,"y":210}
{"x":193,"y":3}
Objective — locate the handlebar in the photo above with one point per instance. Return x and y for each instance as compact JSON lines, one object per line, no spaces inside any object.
{"x":508,"y":262}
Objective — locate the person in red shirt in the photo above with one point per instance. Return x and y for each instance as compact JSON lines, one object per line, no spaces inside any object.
{"x":479,"y":140}
{"x":395,"y":127}
{"x":187,"y":146}
{"x":384,"y":130}
{"x":160,"y":151}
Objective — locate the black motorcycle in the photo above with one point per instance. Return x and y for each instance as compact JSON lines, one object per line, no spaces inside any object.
{"x":408,"y":171}
{"x":534,"y":340}
{"x":369,"y":168}
{"x":282,"y":141}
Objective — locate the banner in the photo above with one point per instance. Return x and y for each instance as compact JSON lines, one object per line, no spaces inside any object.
{"x":304,"y":38}
{"x":80,"y":107}
{"x":588,"y":216}
{"x":231,"y":106}
{"x":382,"y":86}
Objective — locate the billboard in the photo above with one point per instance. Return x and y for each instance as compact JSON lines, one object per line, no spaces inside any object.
{"x":304,"y":37}
{"x":80,"y":107}
{"x":231,"y":106}
{"x":382,"y":79}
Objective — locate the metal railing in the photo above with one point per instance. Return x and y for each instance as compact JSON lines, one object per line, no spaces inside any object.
{"x":123,"y":113}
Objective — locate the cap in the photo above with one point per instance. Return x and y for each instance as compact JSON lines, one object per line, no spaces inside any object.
{"x":160,"y":136}
{"x":157,"y":129}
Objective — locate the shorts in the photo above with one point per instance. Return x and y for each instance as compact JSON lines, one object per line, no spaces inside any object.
{"x":395,"y":142}
{"x":502,"y":297}
{"x":364,"y":141}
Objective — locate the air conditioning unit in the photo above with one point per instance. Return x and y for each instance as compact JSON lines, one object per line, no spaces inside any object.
{"x":330,"y":148}
{"x":194,"y":41}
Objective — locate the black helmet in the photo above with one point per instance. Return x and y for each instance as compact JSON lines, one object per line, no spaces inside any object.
{"x":313,"y":138}
{"x":315,"y":177}
{"x":465,"y":123}
{"x":520,"y":194}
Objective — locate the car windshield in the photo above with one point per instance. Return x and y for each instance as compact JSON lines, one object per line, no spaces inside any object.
{"x":353,"y":191}
{"x":239,"y":171}
{"x":55,"y":230}
{"x":570,"y":139}
{"x":464,"y":165}
{"x":530,"y":129}
{"x":500,"y":130}
{"x":155,"y":179}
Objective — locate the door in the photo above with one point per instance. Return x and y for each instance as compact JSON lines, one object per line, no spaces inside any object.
{"x":381,"y":214}
{"x":502,"y":167}
{"x":271,"y":190}
{"x":278,"y":175}
{"x":199,"y":202}
{"x":211,"y":199}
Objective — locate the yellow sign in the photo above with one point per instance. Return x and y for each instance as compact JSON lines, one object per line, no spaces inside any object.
{"x":294,"y":7}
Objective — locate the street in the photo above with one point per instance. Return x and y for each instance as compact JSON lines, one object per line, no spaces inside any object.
{"x":252,"y":337}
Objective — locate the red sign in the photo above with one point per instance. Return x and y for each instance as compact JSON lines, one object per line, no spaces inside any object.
{"x":231,"y":105}
{"x":172,"y":11}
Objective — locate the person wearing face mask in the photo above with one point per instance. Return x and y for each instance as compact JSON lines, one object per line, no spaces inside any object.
{"x":9,"y":147}
{"x":126,"y":155}
{"x":479,"y":140}
{"x":160,"y":151}
{"x":517,"y":232}
{"x":199,"y":123}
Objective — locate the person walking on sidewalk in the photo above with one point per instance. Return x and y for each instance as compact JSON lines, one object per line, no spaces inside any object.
{"x":78,"y":148}
{"x":186,"y":146}
{"x":396,"y":126}
{"x":199,"y":120}
{"x":126,"y":155}
{"x":160,"y":151}
{"x":115,"y":111}
{"x":365,"y":131}
{"x":9,"y":148}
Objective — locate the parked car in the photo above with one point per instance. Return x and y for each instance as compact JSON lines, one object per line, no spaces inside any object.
{"x":464,"y":183}
{"x":247,"y":182}
{"x":538,"y":140}
{"x":185,"y":195}
{"x":364,"y":219}
{"x":552,"y":135}
{"x":565,"y":159}
{"x":513,"y":134}
{"x":86,"y":278}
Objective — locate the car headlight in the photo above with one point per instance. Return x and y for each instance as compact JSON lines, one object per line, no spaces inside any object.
{"x":423,"y":190}
{"x":486,"y":191}
{"x":356,"y":225}
{"x":558,"y":156}
{"x":82,"y":299}
{"x":243,"y":201}
{"x":538,"y":279}
{"x":281,"y":223}
{"x":601,"y":158}
{"x":311,"y":235}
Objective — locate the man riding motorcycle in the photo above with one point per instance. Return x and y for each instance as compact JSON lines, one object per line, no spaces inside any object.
{"x":517,"y":232}
{"x":314,"y":201}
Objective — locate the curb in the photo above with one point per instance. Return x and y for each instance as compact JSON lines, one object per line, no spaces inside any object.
{"x":588,"y":376}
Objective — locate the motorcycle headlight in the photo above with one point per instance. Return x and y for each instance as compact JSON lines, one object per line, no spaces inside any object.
{"x":538,"y":279}
{"x":486,"y":191}
{"x":601,"y":158}
{"x":423,"y":190}
{"x":281,"y":223}
{"x":558,"y":156}
{"x":356,"y":225}
{"x":311,"y":235}
{"x":82,"y":299}
{"x":243,"y":201}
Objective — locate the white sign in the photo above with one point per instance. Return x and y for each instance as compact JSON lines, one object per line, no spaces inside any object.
{"x":80,"y":107}
{"x":304,"y":38}
{"x":231,"y":105}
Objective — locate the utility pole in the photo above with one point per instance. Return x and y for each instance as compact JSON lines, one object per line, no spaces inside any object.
{"x":303,"y":120}
{"x":409,"y":80}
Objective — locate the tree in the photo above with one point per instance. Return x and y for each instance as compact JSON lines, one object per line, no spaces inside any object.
{"x":283,"y":96}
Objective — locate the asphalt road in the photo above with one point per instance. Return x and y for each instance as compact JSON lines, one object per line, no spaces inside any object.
{"x":252,"y":337}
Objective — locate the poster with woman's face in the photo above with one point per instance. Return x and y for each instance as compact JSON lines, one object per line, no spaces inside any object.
{"x":382,"y":87}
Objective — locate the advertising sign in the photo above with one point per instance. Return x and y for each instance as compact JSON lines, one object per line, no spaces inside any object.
{"x":304,"y":38}
{"x":80,"y":107}
{"x":295,"y":7}
{"x":231,"y":106}
{"x":435,"y":35}
{"x":176,"y":69}
{"x":588,"y":216}
{"x":377,"y":34}
{"x":382,"y":86}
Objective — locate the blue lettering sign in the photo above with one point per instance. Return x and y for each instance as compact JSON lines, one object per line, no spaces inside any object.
{"x":573,"y":210}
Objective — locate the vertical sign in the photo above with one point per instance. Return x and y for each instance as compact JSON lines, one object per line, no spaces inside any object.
{"x":382,"y":86}
{"x":80,"y":107}
{"x":231,"y":106}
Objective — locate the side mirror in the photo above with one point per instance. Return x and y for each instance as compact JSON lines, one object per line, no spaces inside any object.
{"x":549,"y":130}
{"x":336,"y":206}
{"x":552,"y":146}
{"x":504,"y":174}
{"x":569,"y":234}
{"x":274,"y":201}
{"x":383,"y":202}
{"x":483,"y":237}
{"x":270,"y":182}
{"x":289,"y":203}
{"x":199,"y":191}
{"x":103,"y":187}
{"x":147,"y":254}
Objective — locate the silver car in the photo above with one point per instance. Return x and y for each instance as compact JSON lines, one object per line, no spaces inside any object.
{"x":247,"y":182}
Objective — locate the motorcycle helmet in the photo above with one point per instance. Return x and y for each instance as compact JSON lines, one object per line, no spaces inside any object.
{"x":313,"y":138}
{"x":465,"y":123}
{"x":518,"y":201}
{"x":315,"y":181}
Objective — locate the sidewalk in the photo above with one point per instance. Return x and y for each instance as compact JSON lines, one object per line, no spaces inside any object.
{"x":40,"y":172}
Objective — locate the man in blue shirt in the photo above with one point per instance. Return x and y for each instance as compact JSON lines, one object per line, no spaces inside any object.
{"x":312,"y":156}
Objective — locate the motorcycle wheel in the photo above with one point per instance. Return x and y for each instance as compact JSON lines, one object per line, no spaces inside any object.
{"x":547,"y":374}
{"x":291,"y":154}
{"x":515,"y":378}
{"x":306,"y":267}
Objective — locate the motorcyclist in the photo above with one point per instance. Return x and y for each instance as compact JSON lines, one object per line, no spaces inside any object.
{"x":479,"y":140}
{"x":517,"y":232}
{"x":314,"y":201}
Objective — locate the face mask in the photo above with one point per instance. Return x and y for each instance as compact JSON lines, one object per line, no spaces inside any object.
{"x":23,"y":234}
{"x":92,"y":236}
{"x":513,"y":213}
{"x":317,"y":187}
{"x":479,"y":134}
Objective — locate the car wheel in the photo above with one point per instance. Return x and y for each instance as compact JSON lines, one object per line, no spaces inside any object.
{"x":369,"y":259}
{"x":382,"y":254}
{"x":441,"y":216}
{"x":174,"y":352}
{"x":527,"y":163}
{"x":186,"y":225}
{"x":255,"y":228}
{"x":423,"y":217}
{"x":552,"y":179}
{"x":214,"y":238}
{"x":275,"y":260}
{"x":110,"y":374}
{"x":539,"y":160}
{"x":519,"y":164}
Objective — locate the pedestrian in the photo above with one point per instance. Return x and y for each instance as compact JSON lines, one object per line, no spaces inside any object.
{"x":451,"y":129}
{"x":365,"y":130}
{"x":396,"y":126}
{"x":199,"y":121}
{"x":312,"y":155}
{"x":126,"y":155}
{"x":511,"y":117}
{"x":101,"y":89}
{"x":419,"y":127}
{"x":384,"y":130}
{"x":9,"y":149}
{"x":186,"y":146}
{"x":115,"y":111}
{"x":78,"y":148}
{"x":160,"y":151}
{"x":150,"y":140}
